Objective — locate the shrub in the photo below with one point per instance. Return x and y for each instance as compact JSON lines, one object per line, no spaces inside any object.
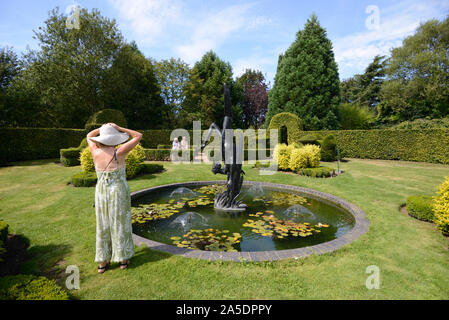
{"x":71,"y":156}
{"x":133,"y":160}
{"x":84,"y":179}
{"x":304,"y":157}
{"x":320,"y":172}
{"x":329,"y":148}
{"x":29,"y":287}
{"x":104,"y":116}
{"x":86,"y":160}
{"x":150,"y":168}
{"x":281,"y":154}
{"x":291,"y":121}
{"x":164,"y":146}
{"x":420,"y":207}
{"x":157,"y":154}
{"x":309,"y":139}
{"x":441,"y":207}
{"x":353,"y":117}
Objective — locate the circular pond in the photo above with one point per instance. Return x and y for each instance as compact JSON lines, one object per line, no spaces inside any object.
{"x":280,"y":221}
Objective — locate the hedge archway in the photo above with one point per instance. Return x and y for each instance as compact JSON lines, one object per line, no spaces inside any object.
{"x":291,"y":121}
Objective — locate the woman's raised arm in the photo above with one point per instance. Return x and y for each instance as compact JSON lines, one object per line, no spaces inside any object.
{"x":128,"y":146}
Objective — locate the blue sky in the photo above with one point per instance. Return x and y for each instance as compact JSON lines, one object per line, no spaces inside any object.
{"x":248,"y":34}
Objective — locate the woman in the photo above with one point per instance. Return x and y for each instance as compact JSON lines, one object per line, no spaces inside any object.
{"x":176,"y":145}
{"x":184,"y":144}
{"x":112,"y":196}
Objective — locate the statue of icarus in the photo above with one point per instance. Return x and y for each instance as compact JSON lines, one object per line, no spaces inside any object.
{"x":232,"y":161}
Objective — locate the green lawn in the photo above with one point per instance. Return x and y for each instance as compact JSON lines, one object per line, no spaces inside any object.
{"x":413,"y":256}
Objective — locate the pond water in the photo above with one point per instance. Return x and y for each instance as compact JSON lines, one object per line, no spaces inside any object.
{"x":172,"y":212}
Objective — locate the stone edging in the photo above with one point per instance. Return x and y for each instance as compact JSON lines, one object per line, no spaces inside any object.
{"x":360,"y":227}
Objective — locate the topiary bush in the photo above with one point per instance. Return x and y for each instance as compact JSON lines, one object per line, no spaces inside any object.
{"x":291,"y":121}
{"x":104,"y":116}
{"x":329,"y":148}
{"x":307,"y":156}
{"x":150,"y":168}
{"x":309,"y":139}
{"x":30,"y":287}
{"x":84,"y":179}
{"x":71,"y":156}
{"x":420,"y":207}
{"x":86,"y":160}
{"x":441,"y":207}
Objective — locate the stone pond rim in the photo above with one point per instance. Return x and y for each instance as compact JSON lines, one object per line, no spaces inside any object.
{"x":360,"y":227}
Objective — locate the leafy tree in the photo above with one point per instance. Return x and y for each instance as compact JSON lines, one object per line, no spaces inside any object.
{"x":69,"y":69}
{"x":172,"y":75}
{"x":255,"y":97}
{"x":131,"y":86}
{"x":364,"y":89}
{"x":353,"y":117}
{"x":307,"y":81}
{"x":204,"y":91}
{"x":418,"y":75}
{"x":9,"y":67}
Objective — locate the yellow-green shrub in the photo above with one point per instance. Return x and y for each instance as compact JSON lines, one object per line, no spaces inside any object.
{"x":305,"y":157}
{"x":281,"y":154}
{"x":30,"y":287}
{"x":441,"y":207}
{"x":133,"y":161}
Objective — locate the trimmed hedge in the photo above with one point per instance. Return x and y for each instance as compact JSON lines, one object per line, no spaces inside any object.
{"x":329,"y":148}
{"x":426,"y":145}
{"x":320,"y":172}
{"x":420,"y":207}
{"x":291,"y":121}
{"x":30,"y":287}
{"x":21,"y":144}
{"x":84,"y":179}
{"x":151,"y":168}
{"x":71,"y":156}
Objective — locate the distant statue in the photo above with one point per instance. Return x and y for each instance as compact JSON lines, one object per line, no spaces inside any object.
{"x":233,"y":167}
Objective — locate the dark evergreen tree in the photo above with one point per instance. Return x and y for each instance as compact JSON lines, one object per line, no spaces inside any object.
{"x":307,"y":81}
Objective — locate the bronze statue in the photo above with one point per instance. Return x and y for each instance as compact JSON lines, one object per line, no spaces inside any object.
{"x":232,"y":166}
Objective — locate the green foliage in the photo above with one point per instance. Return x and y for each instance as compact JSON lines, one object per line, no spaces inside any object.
{"x":36,"y":143}
{"x":3,"y":237}
{"x":281,"y":154}
{"x":86,"y":160}
{"x":134,"y":160}
{"x":420,"y":207}
{"x":329,"y":148}
{"x":353,"y":117}
{"x":319,"y":172}
{"x":442,"y":123}
{"x":204,"y":91}
{"x":164,"y":146}
{"x":104,"y":116}
{"x":152,"y":138}
{"x":418,"y":77}
{"x":441,"y":207}
{"x":71,"y":156}
{"x":309,"y":138}
{"x":307,"y":156}
{"x":29,"y":287}
{"x":131,"y":86}
{"x":430,"y":145}
{"x":84,"y":179}
{"x":307,"y":81}
{"x":67,"y":72}
{"x":157,"y":154}
{"x":290,"y":121}
{"x":364,"y":89}
{"x":172,"y":76}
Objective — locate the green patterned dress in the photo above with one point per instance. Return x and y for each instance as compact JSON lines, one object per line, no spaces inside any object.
{"x":113,"y":212}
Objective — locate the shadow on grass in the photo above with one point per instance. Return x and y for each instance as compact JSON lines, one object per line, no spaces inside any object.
{"x":145,"y":255}
{"x":45,"y":258}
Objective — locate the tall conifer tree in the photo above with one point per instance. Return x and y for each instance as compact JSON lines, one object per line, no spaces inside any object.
{"x":307,"y":81}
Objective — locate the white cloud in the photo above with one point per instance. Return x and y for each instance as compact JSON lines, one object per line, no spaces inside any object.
{"x":211,"y":31}
{"x":149,"y":18}
{"x":356,"y":51}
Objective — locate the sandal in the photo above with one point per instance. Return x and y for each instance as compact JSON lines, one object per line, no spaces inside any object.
{"x":102,"y":269}
{"x":124,"y":265}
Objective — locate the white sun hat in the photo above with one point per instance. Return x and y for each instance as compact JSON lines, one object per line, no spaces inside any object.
{"x":110,"y":136}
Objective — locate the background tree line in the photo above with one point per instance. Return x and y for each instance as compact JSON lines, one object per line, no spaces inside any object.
{"x":77,"y":72}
